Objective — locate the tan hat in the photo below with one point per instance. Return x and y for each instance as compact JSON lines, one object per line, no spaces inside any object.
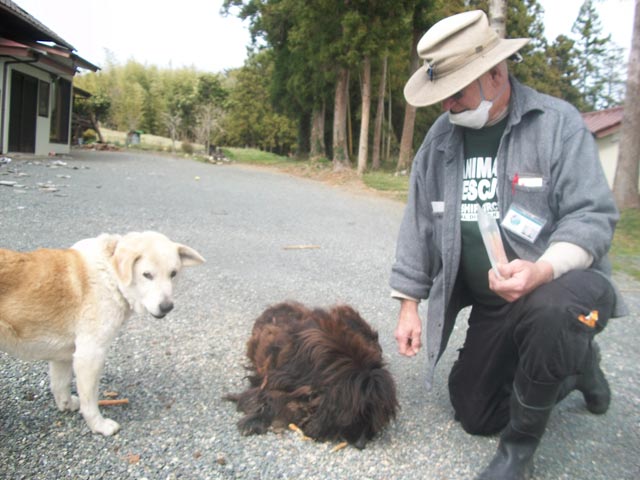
{"x":456,"y":51}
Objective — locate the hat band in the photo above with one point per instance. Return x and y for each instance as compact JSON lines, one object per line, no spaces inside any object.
{"x":459,"y":59}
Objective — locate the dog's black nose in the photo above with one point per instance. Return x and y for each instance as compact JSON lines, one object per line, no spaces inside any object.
{"x":166,"y":307}
{"x":361,"y":442}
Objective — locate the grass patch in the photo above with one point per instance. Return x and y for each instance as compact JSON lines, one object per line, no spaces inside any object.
{"x":388,"y":182}
{"x":255,"y":156}
{"x":625,"y":249}
{"x":147,"y":142}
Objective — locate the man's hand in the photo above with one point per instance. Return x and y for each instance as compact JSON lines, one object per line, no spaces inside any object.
{"x":409,"y":328}
{"x":519,"y":277}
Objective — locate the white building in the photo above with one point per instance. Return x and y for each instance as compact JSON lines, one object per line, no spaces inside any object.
{"x":606,"y":125}
{"x":36,"y":84}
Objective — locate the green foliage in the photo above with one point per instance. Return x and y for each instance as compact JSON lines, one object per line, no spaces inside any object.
{"x":134,"y":96}
{"x":597,"y":63}
{"x":187,"y":147}
{"x":251,"y":119}
{"x":89,"y":135}
{"x":398,"y":185}
{"x":524,"y":21}
{"x":298,"y":49}
{"x":99,"y":105}
{"x":562,"y":74}
{"x":255,"y":156}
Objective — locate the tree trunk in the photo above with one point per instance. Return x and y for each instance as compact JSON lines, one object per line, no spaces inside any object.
{"x":377,"y":131}
{"x":363,"y":148}
{"x":96,"y":126}
{"x":408,"y":125}
{"x":389,"y":125}
{"x":317,"y":149}
{"x":625,"y":184}
{"x":349,"y":127}
{"x":498,"y":16}
{"x":340,"y":147}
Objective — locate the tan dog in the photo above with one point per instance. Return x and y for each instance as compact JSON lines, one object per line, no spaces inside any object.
{"x":66,"y":306}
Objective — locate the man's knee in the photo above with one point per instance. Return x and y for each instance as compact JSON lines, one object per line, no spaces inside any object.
{"x":476,"y":422}
{"x":478,"y":415}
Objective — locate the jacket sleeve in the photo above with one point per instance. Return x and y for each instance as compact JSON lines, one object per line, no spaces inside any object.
{"x":586,"y":210}
{"x":417,"y":256}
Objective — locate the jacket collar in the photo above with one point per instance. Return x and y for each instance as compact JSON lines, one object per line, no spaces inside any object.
{"x":524,"y":100}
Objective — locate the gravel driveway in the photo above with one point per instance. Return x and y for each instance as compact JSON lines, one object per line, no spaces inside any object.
{"x":174,"y":371}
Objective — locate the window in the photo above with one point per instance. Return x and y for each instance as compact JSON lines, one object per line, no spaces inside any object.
{"x":61,"y":111}
{"x":43,"y":99}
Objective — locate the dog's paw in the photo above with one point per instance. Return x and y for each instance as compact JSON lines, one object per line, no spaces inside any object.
{"x":68,"y":404}
{"x":105,"y":426}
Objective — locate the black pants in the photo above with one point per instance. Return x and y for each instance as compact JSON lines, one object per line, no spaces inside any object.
{"x":539,"y":333}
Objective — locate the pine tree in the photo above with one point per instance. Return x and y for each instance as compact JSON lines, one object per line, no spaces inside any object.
{"x":594,"y":53}
{"x":562,"y":71}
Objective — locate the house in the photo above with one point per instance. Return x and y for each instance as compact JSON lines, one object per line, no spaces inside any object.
{"x":606,"y":125}
{"x":36,"y":84}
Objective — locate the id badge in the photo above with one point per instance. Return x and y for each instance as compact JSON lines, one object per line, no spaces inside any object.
{"x":524,"y":224}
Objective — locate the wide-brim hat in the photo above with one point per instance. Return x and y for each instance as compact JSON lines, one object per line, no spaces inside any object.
{"x":456,"y":51}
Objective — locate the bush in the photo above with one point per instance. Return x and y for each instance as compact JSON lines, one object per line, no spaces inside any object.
{"x":187,"y":147}
{"x":89,"y":136}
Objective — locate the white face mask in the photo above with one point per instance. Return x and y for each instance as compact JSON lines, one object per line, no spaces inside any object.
{"x":472,"y":118}
{"x":479,"y":117}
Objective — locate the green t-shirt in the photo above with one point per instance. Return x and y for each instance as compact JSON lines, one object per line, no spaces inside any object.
{"x":480,"y":182}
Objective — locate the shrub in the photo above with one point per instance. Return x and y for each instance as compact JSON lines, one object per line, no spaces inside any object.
{"x":187,"y":147}
{"x":89,"y":136}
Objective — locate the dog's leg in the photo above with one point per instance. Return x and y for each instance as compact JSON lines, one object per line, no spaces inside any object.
{"x":60,"y":374}
{"x":88,"y":361}
{"x":259,"y":410}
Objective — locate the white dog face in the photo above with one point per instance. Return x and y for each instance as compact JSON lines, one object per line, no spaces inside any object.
{"x":147,"y":265}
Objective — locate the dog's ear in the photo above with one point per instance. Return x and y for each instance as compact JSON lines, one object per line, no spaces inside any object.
{"x":188,"y":256}
{"x":110,"y":243}
{"x":123,"y":260}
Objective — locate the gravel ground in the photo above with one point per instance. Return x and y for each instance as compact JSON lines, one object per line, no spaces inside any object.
{"x":174,"y":371}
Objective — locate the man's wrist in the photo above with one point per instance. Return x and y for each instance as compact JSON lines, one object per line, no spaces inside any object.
{"x":402,"y":296}
{"x":545,"y":271}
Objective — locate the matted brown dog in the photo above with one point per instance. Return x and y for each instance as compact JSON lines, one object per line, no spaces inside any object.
{"x":66,"y":306}
{"x":321,"y":370}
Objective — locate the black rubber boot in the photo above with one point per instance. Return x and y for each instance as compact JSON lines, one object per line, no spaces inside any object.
{"x":530,"y":407}
{"x":592,"y":384}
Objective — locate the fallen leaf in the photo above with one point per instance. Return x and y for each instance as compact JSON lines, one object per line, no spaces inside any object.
{"x":339,"y":446}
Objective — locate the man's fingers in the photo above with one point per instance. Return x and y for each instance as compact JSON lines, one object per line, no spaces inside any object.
{"x":407,"y":346}
{"x":415,"y":344}
{"x":402,"y":342}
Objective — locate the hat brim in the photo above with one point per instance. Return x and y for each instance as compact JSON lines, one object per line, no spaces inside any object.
{"x":420,"y":91}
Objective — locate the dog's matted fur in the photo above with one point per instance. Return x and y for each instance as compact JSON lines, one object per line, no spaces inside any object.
{"x":321,"y":370}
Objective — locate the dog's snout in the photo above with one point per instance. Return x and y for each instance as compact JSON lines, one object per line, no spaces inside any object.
{"x":361,"y":442}
{"x":166,"y":307}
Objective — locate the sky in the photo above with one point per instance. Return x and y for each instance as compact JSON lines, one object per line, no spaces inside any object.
{"x":616,"y":18}
{"x":175,"y":34}
{"x":189,"y":33}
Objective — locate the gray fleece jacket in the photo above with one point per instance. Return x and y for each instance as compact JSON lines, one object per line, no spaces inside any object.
{"x":545,"y":138}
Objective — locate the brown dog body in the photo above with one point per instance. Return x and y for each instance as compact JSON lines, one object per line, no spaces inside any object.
{"x":320,"y":370}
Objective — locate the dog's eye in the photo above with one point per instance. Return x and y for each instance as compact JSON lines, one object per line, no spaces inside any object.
{"x":173,"y":273}
{"x":147,"y":275}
